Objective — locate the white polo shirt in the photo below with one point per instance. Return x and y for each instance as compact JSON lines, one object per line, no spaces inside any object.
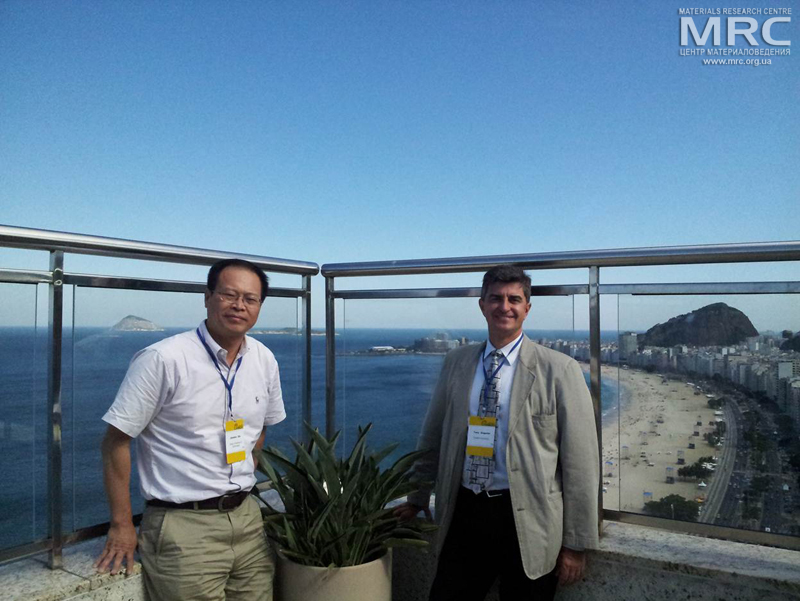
{"x":174,"y":403}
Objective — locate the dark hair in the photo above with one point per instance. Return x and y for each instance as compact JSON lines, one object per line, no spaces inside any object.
{"x":507,"y":274}
{"x":216,"y":269}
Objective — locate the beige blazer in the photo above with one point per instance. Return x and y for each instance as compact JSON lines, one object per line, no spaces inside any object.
{"x":551,"y":456}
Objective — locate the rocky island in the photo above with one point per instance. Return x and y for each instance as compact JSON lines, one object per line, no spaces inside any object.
{"x":132,"y":323}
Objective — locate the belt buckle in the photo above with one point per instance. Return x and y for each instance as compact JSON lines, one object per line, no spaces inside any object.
{"x":222,"y":501}
{"x":497,"y":493}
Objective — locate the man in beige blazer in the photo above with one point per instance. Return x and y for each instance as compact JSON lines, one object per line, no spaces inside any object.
{"x":514,"y":458}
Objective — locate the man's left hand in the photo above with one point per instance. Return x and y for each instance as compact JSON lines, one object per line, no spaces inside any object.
{"x":570,"y":566}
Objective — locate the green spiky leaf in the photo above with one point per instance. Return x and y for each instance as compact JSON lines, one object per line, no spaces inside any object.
{"x":336,"y":511}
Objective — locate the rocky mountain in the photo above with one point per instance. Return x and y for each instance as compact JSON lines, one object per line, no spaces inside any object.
{"x":131,"y":323}
{"x":792,"y":344}
{"x":712,"y":325}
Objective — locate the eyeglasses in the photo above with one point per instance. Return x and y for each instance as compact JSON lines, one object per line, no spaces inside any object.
{"x":251,"y":301}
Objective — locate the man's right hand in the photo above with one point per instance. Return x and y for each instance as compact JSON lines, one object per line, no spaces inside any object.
{"x":120,"y":545}
{"x":121,"y":541}
{"x":408,"y":511}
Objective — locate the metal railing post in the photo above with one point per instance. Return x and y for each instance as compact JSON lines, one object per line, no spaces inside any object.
{"x":306,"y":394}
{"x":55,"y":335}
{"x":330,"y":359}
{"x":594,"y":373}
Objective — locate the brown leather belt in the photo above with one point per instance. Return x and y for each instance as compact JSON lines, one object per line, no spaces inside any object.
{"x":226,"y":502}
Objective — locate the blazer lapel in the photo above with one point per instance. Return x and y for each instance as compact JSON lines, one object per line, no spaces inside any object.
{"x":463,"y":376}
{"x":523,"y":381}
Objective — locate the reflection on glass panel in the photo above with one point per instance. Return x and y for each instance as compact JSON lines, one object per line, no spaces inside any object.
{"x":23,"y":418}
{"x":279,"y":327}
{"x":709,"y":430}
{"x":611,"y":397}
{"x":386,"y":375}
{"x":104,"y":344}
{"x":575,"y":343}
{"x":318,"y":367}
{"x":110,"y":326}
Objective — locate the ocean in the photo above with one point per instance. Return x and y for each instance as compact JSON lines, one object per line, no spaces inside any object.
{"x":391,"y":391}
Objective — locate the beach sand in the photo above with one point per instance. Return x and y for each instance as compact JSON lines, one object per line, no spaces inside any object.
{"x":657,"y":422}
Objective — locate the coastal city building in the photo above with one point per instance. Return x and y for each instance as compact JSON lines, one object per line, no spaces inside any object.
{"x":628,"y":345}
{"x":440,"y":342}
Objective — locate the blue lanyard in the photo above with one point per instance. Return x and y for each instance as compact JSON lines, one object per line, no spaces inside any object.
{"x":488,"y":378}
{"x":228,"y":385}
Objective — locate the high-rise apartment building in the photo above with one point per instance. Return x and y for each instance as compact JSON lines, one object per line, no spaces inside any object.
{"x":628,"y":345}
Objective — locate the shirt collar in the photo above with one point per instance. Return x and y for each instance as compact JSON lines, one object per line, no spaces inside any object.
{"x":506,"y":350}
{"x":219,"y":352}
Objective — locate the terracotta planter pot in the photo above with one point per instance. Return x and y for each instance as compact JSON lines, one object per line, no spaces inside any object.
{"x":368,"y":582}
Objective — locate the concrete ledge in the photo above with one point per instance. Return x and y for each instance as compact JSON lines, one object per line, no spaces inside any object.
{"x":31,"y":579}
{"x":635,"y":563}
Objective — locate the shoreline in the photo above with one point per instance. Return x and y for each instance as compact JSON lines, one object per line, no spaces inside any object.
{"x":650,"y":430}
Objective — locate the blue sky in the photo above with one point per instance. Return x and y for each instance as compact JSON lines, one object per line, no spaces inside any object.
{"x":358,"y":131}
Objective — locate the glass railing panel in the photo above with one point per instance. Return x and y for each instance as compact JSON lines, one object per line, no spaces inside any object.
{"x":709,"y":426}
{"x":610,"y":390}
{"x":110,"y":327}
{"x":571,"y":336}
{"x":386,"y":373}
{"x":106,"y":339}
{"x":23,"y":416}
{"x":318,"y":369}
{"x":280,"y":328}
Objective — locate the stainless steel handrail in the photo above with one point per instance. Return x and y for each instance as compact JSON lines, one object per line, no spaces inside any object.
{"x":104,"y":281}
{"x":694,"y":288}
{"x":20,"y":276}
{"x":618,"y":257}
{"x":21,"y":237}
{"x":560,"y":290}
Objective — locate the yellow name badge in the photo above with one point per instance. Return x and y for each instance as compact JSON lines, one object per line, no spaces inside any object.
{"x":235,"y":449}
{"x":480,"y":436}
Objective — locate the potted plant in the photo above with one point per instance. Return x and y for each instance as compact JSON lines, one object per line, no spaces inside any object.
{"x":335,"y":536}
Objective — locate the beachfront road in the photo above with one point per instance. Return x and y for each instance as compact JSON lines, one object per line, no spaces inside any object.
{"x":719,"y":489}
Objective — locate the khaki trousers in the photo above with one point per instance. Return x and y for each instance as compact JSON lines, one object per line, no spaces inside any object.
{"x":206,"y":555}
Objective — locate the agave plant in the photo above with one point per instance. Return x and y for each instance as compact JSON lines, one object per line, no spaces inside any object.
{"x":336,"y":511}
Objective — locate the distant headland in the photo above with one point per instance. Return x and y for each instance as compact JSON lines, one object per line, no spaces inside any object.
{"x":293,"y":331}
{"x":439,"y":344}
{"x":712,"y":325}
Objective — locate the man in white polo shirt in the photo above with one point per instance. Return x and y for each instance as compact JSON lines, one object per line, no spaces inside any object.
{"x":197,"y":404}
